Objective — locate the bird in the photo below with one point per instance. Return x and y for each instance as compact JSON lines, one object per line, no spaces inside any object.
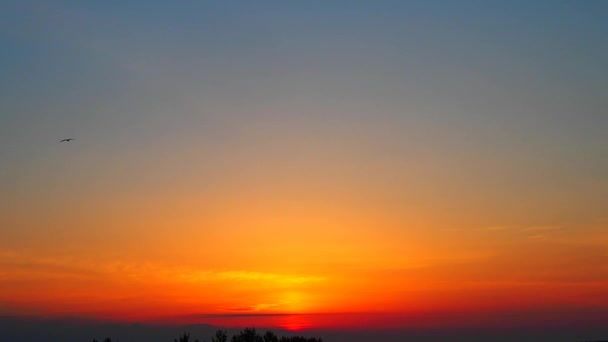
{"x":67,"y":140}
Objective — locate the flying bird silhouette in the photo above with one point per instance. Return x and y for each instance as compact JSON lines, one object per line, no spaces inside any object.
{"x":67,"y":140}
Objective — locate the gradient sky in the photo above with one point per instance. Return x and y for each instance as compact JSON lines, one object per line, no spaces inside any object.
{"x":303,"y":157}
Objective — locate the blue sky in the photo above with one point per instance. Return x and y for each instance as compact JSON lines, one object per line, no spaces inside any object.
{"x":453,"y":82}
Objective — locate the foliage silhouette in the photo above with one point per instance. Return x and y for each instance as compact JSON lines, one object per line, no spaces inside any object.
{"x":299,"y":339}
{"x":269,"y":336}
{"x":245,"y":335}
{"x":184,"y":338}
{"x":220,"y":336}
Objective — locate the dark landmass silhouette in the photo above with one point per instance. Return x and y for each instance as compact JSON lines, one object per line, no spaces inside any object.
{"x":19,"y":329}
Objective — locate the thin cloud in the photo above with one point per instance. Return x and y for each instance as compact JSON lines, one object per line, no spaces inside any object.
{"x":252,"y":309}
{"x":22,"y":265}
{"x":541,"y":228}
{"x":193,"y":275}
{"x":498,"y":228}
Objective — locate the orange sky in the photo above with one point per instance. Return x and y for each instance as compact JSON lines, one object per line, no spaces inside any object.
{"x":325,"y":269}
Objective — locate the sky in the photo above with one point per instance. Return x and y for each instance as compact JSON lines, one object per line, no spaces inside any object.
{"x":392,"y":160}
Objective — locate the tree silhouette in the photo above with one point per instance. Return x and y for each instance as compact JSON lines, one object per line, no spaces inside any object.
{"x":220,"y":336}
{"x":269,"y":336}
{"x":184,"y":338}
{"x":299,"y":339}
{"x":247,"y":335}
